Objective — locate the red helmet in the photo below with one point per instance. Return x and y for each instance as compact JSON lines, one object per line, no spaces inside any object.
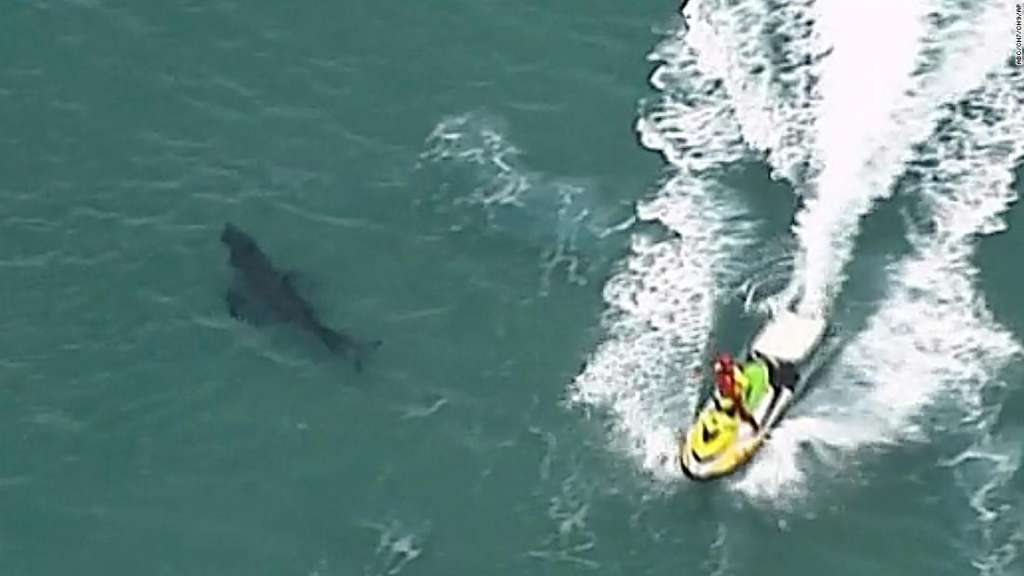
{"x":723,"y":362}
{"x":726,"y":384}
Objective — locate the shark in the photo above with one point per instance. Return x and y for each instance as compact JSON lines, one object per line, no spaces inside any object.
{"x":260,"y":292}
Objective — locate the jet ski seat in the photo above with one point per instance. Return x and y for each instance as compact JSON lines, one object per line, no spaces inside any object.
{"x":779,"y":373}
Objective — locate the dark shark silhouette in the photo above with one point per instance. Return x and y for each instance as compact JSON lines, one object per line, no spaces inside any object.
{"x":260,"y":293}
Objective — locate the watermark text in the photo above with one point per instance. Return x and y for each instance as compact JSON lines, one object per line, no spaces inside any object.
{"x":1018,"y":57}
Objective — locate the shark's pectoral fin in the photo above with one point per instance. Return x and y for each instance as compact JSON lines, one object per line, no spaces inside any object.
{"x":235,"y":302}
{"x":243,"y":309}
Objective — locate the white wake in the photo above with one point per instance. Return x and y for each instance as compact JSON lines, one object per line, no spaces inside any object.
{"x":882,"y":92}
{"x":934,"y":347}
{"x":928,"y":99}
{"x":722,"y":96}
{"x":661,"y":302}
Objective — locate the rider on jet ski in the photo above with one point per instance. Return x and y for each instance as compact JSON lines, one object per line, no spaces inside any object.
{"x":740,"y":390}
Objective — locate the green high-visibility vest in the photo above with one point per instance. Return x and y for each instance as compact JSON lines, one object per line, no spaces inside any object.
{"x":757,"y":377}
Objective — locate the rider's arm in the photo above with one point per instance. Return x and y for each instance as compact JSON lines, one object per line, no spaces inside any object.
{"x":748,"y":417}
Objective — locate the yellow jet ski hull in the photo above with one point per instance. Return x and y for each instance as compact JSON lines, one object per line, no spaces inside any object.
{"x":718,"y":444}
{"x":728,"y":460}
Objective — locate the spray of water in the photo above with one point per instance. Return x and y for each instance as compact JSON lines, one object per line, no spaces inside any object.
{"x":478,"y":178}
{"x":768,"y":58}
{"x":934,"y":347}
{"x":878,"y":99}
{"x":661,"y":303}
{"x":933,"y":343}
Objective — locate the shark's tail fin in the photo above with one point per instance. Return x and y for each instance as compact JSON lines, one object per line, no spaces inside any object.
{"x":345,"y":345}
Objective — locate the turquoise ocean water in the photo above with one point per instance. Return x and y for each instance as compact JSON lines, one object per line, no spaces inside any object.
{"x":550,"y":212}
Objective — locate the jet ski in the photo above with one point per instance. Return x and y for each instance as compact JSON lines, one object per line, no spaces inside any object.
{"x":781,"y":357}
